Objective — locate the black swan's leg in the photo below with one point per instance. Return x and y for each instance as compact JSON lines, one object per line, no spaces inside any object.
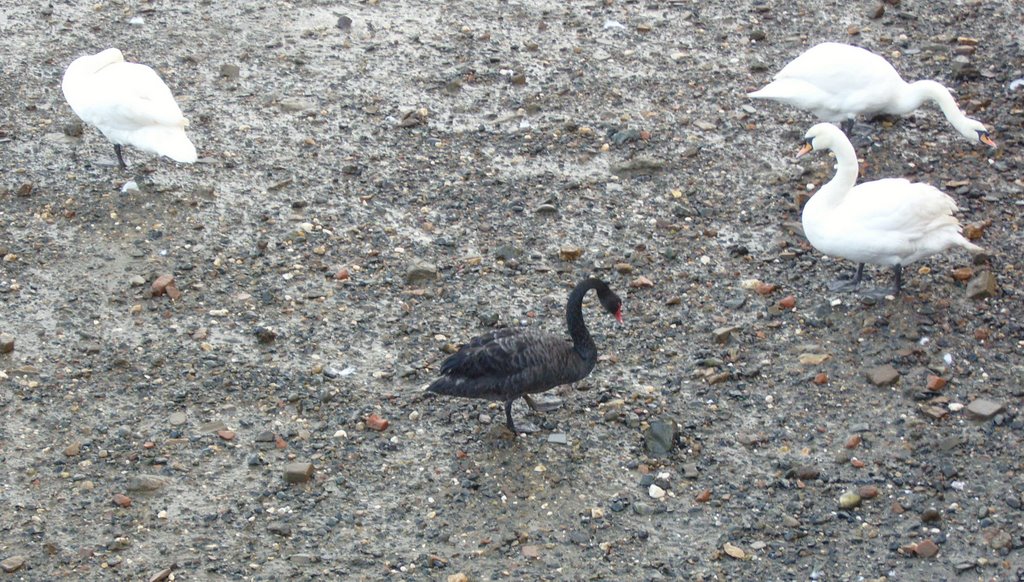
{"x":508,"y":416}
{"x":120,"y":158}
{"x":848,"y":284}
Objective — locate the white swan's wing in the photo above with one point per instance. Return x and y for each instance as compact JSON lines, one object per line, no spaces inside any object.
{"x":846,"y":79}
{"x":897,"y":205}
{"x":130,"y":95}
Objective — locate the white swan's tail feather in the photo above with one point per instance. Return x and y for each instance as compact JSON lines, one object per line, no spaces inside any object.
{"x":166,"y":141}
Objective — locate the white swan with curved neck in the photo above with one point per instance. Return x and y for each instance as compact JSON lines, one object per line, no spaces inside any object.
{"x":129,"y":103}
{"x":837,"y":82}
{"x":890,"y":222}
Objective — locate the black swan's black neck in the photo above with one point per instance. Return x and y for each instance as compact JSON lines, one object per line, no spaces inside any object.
{"x":582,"y":342}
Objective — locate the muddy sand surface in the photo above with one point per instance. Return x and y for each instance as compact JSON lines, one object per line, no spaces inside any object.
{"x":381,"y":181}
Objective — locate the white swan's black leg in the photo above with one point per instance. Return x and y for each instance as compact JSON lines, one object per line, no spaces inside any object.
{"x":120,"y":158}
{"x":881,"y":293}
{"x":848,"y":284}
{"x":847,"y":126}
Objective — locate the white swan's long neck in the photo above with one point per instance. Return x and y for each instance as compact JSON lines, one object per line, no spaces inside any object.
{"x":916,"y":93}
{"x":832,"y":193}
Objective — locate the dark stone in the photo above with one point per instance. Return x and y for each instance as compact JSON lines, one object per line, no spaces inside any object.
{"x":660,"y":437}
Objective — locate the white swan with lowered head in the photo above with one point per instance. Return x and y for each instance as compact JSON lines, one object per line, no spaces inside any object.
{"x":838,"y":81}
{"x":129,"y":104}
{"x":890,"y":222}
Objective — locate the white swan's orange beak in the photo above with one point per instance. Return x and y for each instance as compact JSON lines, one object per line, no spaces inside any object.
{"x":985,"y":139}
{"x":804,"y":149}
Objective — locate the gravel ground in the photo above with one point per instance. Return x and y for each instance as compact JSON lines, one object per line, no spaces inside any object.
{"x":375,"y":189}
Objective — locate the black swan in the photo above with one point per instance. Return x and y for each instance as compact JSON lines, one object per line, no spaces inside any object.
{"x":508,"y":363}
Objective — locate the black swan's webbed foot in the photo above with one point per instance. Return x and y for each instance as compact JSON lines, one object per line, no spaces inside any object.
{"x":848,"y":284}
{"x":508,"y":416}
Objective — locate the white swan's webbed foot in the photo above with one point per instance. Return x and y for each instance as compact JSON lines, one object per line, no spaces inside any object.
{"x":882,"y":293}
{"x":848,"y":284}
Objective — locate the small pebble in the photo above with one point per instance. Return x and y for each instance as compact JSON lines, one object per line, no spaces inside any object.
{"x":982,"y":286}
{"x":734,"y":551}
{"x":807,"y":472}
{"x":298,"y":472}
{"x":230,"y":71}
{"x":883,"y":375}
{"x":147,"y":483}
{"x":558,"y":438}
{"x":849,"y":500}
{"x":6,"y":343}
{"x":867,"y":491}
{"x":570,"y":252}
{"x":13,"y":563}
{"x":984,"y":409}
{"x":420,"y":272}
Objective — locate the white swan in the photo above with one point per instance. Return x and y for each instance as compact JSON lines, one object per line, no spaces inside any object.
{"x":889,"y":222}
{"x":129,"y":104}
{"x":837,"y":82}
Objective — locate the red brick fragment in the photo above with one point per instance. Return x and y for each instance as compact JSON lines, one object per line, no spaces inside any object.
{"x":936,"y":383}
{"x":376,"y":423}
{"x":160,"y":285}
{"x":926,"y":549}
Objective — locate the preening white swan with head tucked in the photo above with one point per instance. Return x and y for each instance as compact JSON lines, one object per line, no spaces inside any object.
{"x":838,"y":81}
{"x":890,"y":222}
{"x":129,"y":104}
